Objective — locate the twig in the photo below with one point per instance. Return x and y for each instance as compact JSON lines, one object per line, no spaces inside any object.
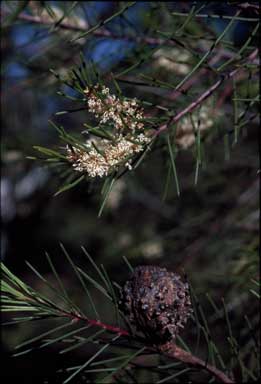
{"x":188,"y":84}
{"x":101,"y":32}
{"x":227,"y":91}
{"x":171,"y":350}
{"x":225,"y":17}
{"x":110,"y":328}
{"x":203,"y":97}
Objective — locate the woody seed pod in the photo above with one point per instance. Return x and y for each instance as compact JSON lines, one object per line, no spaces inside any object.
{"x":157,"y":302}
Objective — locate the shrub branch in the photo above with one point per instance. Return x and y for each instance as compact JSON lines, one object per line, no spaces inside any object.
{"x":203,"y":96}
{"x":170,"y":349}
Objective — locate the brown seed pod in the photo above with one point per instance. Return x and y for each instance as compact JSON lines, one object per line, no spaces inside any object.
{"x":157,"y":302}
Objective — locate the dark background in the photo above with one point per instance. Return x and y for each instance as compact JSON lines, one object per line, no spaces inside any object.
{"x":211,"y":231}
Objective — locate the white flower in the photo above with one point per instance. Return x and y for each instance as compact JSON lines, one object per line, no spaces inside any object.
{"x":105,"y":91}
{"x":112,"y":155}
{"x":105,"y":155}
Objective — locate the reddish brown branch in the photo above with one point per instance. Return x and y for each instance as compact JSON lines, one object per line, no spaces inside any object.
{"x":227,"y":91}
{"x":170,"y":349}
{"x":188,"y":84}
{"x":174,"y":352}
{"x":101,"y":32}
{"x":110,"y":328}
{"x":203,"y":96}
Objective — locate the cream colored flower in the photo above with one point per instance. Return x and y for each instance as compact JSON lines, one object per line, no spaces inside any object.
{"x":121,"y":113}
{"x":101,"y":156}
{"x":104,"y":156}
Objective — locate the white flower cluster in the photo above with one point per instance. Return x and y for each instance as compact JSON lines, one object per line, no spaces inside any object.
{"x":99,"y":161}
{"x":100,"y":156}
{"x":186,"y":130}
{"x":108,"y":108}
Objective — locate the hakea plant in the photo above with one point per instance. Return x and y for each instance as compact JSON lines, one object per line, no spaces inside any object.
{"x":154,"y":305}
{"x":123,"y":134}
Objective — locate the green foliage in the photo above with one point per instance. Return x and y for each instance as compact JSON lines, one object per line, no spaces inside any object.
{"x":113,"y":345}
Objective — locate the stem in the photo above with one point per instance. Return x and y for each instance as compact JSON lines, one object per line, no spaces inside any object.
{"x":101,"y":32}
{"x":169,"y":349}
{"x":97,"y":323}
{"x":172,"y":351}
{"x":188,"y":84}
{"x":203,"y":96}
